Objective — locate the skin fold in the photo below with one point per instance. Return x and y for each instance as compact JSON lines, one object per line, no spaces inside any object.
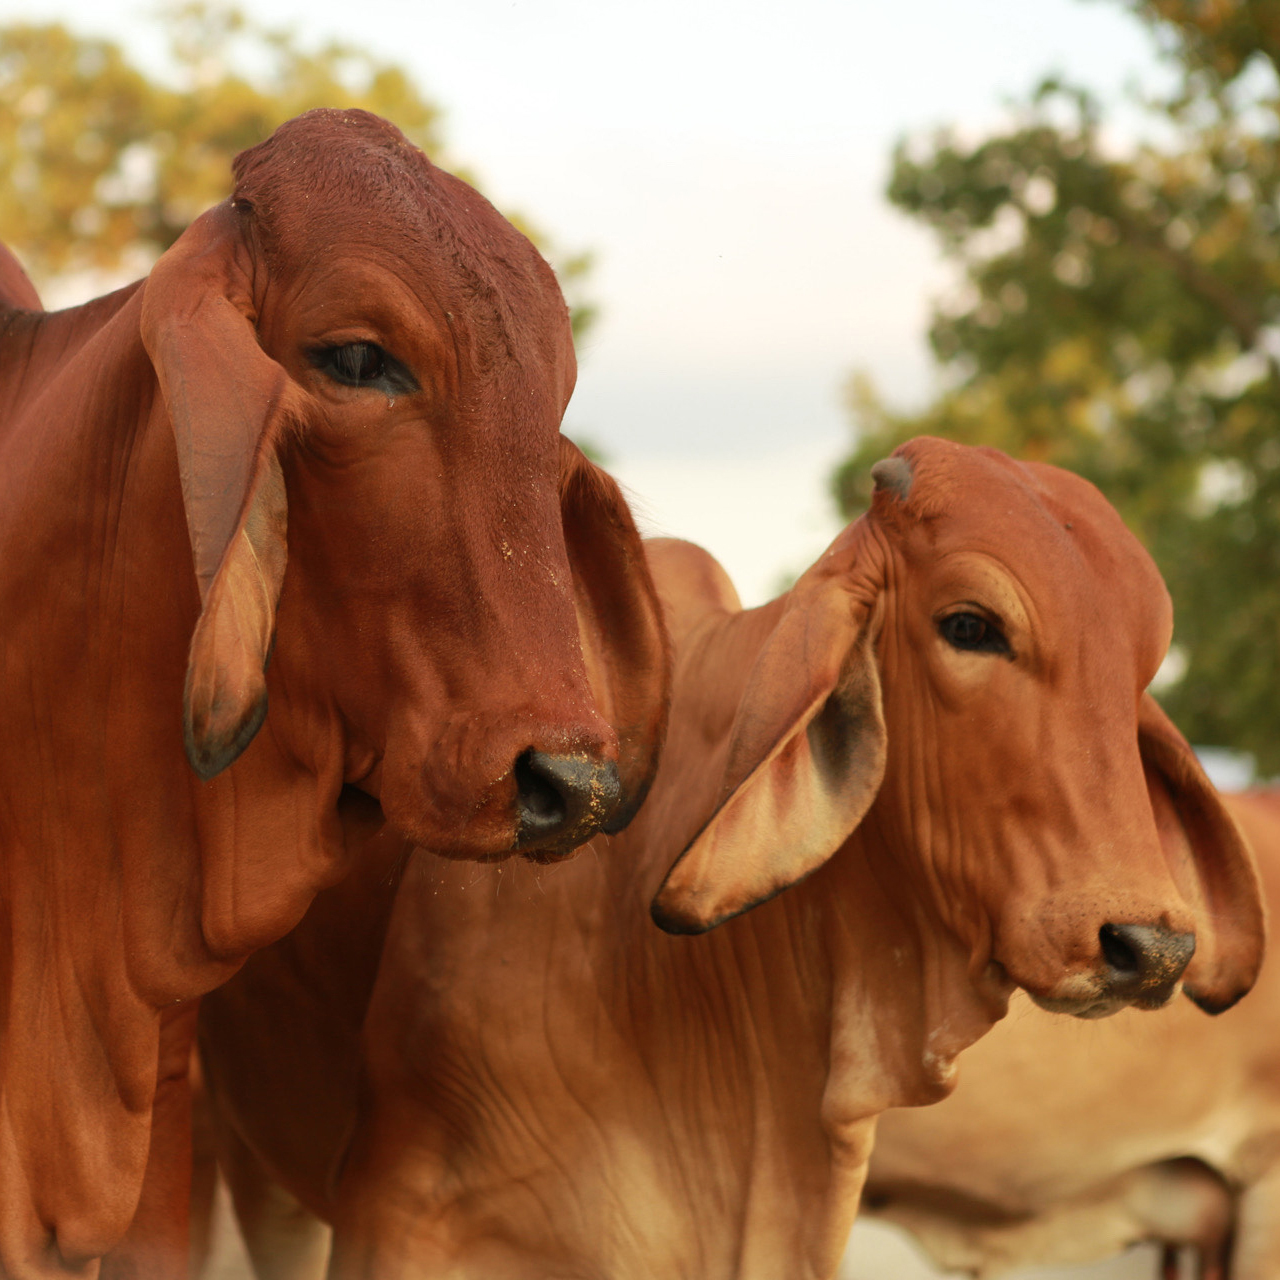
{"x":871,"y":823}
{"x":292,"y":547}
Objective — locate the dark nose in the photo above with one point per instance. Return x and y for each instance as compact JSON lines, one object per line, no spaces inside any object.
{"x":562,"y":801}
{"x":1144,"y":961}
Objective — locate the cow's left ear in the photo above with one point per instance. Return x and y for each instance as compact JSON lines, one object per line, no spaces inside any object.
{"x":1210,"y":861}
{"x":228,"y":402}
{"x":806,"y":759}
{"x":624,"y":641}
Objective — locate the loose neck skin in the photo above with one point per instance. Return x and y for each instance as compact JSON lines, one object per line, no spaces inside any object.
{"x":699,"y":1106}
{"x":117,"y":885}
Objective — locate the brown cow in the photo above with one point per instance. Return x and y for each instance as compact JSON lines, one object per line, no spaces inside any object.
{"x":1066,"y":1144}
{"x":951,"y":703}
{"x":357,"y":368}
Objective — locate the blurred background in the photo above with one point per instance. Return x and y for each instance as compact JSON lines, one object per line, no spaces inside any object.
{"x":794,"y":233}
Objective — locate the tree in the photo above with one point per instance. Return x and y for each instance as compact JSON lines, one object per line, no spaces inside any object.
{"x":102,"y":167}
{"x":1118,"y":315}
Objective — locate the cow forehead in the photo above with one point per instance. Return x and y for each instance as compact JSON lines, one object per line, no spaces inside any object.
{"x":333,"y":185}
{"x":1066,"y":552}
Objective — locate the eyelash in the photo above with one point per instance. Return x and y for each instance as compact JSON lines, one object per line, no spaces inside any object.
{"x":972,"y":633}
{"x":364,"y":364}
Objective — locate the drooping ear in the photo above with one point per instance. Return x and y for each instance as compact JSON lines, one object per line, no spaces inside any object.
{"x":806,"y":758}
{"x":228,"y":402}
{"x":624,"y":641}
{"x":1210,"y":861}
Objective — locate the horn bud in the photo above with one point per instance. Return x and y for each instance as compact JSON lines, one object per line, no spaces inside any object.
{"x":893,"y":476}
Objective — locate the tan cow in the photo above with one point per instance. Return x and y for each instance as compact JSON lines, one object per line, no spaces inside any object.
{"x":518,"y":1076}
{"x":1067,"y":1143}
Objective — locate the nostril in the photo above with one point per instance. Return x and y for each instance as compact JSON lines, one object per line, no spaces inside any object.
{"x":1117,"y":952}
{"x":1144,"y":961}
{"x":541,"y":804}
{"x":563,"y":800}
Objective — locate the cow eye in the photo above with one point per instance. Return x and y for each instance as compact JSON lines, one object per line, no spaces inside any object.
{"x":364,"y":364}
{"x":973,"y":633}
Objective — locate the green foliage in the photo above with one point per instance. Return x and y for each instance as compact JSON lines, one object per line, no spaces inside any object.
{"x":103,"y":167}
{"x":1119,"y":315}
{"x":99,"y":159}
{"x":1216,"y":36}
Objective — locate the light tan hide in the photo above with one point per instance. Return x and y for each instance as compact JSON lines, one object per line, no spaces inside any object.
{"x":1067,"y":1143}
{"x":525,"y":1079}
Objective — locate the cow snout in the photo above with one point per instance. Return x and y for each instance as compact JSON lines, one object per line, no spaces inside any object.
{"x":1144,"y":962}
{"x":561,"y":801}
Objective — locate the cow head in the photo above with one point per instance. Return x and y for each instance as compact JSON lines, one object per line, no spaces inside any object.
{"x":365,"y":367}
{"x":959,"y":683}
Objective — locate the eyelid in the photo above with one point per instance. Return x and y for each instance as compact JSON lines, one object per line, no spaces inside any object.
{"x":396,"y":379}
{"x":983,"y":611}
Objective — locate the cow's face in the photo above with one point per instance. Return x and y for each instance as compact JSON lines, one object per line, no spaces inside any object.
{"x":1022,"y":624}
{"x":404,"y":358}
{"x":975,"y":653}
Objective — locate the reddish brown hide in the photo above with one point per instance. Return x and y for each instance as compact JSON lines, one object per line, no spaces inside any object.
{"x":1065,"y":1143}
{"x":951,"y":703}
{"x":339,"y":394}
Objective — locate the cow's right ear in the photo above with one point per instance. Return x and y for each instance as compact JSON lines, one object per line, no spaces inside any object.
{"x":624,"y":641}
{"x":1210,"y":861}
{"x":228,"y":402}
{"x":806,"y":758}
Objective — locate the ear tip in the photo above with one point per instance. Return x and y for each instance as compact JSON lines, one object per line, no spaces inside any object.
{"x":1214,"y":1004}
{"x":1221,"y":992}
{"x":210,"y":751}
{"x":674,"y":920}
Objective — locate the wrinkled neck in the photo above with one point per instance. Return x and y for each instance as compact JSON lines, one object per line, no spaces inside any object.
{"x":908,"y":993}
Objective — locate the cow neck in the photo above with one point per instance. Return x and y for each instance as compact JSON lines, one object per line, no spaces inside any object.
{"x":795,"y":1025}
{"x":79,"y":1084}
{"x":118,"y":869}
{"x":35,"y":348}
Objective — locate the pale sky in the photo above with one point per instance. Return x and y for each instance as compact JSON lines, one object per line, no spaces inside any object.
{"x":725,"y":162}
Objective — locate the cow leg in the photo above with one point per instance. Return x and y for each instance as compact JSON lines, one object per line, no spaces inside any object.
{"x":155,"y":1246}
{"x":1215,"y":1262}
{"x":284,"y":1240}
{"x":1169,"y":1258}
{"x":1255,"y":1254}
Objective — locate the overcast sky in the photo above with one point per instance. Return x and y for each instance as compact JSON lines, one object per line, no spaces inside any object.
{"x":725,"y":161}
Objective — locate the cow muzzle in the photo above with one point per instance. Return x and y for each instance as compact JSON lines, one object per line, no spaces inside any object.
{"x":464,"y":796}
{"x":1140,"y":965}
{"x":561,"y":801}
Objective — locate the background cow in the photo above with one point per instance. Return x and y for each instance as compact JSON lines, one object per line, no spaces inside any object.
{"x":517,"y":1076}
{"x":339,"y":393}
{"x":1065,"y":1143}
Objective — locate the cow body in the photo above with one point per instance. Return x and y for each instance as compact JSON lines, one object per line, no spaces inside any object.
{"x":426,"y":654}
{"x":532,"y":1082}
{"x":1066,"y":1143}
